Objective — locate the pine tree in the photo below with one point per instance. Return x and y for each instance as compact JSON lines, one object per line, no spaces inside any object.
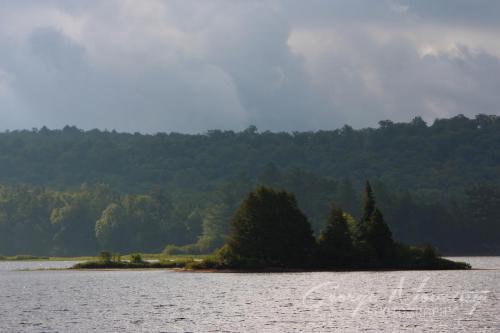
{"x":368,"y":208}
{"x":269,"y":229}
{"x":334,"y":242}
{"x":368,"y":202}
{"x":379,"y":237}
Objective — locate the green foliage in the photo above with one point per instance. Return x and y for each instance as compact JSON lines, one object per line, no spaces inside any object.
{"x":406,"y":155}
{"x":105,"y":256}
{"x":75,"y":216}
{"x":215,"y":227}
{"x":134,"y":263}
{"x":109,"y":227}
{"x":483,"y":216}
{"x":435,"y":183}
{"x":366,"y":215}
{"x":412,"y":257}
{"x":379,"y":237}
{"x":172,"y":249}
{"x":268,"y":228}
{"x":257,"y":236}
{"x":268,"y":231}
{"x":429,"y":253}
{"x":368,"y":203}
{"x":80,"y":222}
{"x":373,"y":238}
{"x":210,"y":262}
{"x":335,"y":240}
{"x":136,"y":258}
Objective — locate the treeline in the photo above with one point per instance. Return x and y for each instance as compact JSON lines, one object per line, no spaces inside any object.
{"x":35,"y":220}
{"x":44,"y":222}
{"x":435,"y":161}
{"x":436,"y":184}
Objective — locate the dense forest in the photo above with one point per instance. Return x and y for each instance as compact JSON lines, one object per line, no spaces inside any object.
{"x":71,"y":192}
{"x":268,"y":232}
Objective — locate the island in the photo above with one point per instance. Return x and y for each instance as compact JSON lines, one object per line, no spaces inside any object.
{"x":269,"y":232}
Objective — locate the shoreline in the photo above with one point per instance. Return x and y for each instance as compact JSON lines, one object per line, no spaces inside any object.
{"x":176,"y":256}
{"x":190,"y":264}
{"x":252,"y":271}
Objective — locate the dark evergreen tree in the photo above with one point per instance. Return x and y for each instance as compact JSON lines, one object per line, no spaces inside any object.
{"x":269,"y":229}
{"x":368,"y":209}
{"x":335,"y":242}
{"x":368,"y":202}
{"x":379,"y":238}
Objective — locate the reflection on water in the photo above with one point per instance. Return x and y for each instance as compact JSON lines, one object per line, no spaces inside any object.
{"x":166,"y":301}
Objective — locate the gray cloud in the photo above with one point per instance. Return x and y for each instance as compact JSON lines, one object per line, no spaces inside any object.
{"x":368,"y":81}
{"x":477,"y":12}
{"x":190,"y":66}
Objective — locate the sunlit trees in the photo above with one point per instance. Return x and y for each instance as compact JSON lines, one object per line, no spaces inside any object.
{"x":81,"y":222}
{"x":215,"y":227}
{"x":110,"y":228}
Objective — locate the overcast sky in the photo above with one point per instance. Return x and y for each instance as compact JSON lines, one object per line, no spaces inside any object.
{"x":189,"y":66}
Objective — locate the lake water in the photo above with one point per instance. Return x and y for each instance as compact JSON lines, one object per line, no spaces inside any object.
{"x":167,"y":301}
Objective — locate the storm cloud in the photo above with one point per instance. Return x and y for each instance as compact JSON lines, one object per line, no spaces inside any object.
{"x":191,"y":66}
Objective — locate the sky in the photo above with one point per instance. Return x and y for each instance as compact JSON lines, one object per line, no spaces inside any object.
{"x":282,"y":65}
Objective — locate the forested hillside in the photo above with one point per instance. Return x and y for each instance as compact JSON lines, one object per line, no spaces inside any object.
{"x":436,"y":183}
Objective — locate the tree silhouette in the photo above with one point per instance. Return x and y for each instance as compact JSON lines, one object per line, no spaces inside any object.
{"x":269,"y":229}
{"x":334,"y":242}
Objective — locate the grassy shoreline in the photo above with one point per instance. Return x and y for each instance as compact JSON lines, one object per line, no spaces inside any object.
{"x":206,"y":263}
{"x":145,"y":256}
{"x":209,"y":265}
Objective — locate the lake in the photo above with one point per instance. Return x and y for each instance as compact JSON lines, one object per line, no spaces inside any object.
{"x":168,"y":301}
